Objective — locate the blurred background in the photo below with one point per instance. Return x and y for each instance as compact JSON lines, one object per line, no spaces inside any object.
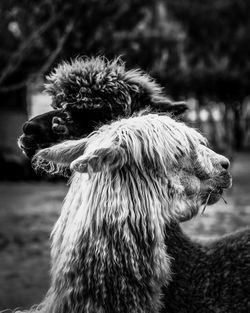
{"x":198,"y":50}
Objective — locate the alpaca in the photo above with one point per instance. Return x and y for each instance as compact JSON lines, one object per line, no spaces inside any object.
{"x":118,"y":247}
{"x":88,"y":92}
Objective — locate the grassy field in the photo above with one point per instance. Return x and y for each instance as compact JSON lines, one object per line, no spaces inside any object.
{"x":29,"y":210}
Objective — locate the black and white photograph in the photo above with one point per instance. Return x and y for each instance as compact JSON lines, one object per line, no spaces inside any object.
{"x":125,"y":156}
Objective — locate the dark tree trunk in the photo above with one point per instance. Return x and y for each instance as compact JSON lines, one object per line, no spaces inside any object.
{"x":14,"y":100}
{"x":13,"y":113}
{"x":238,"y":131}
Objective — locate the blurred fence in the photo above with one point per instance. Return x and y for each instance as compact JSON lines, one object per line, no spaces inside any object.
{"x":219,"y":123}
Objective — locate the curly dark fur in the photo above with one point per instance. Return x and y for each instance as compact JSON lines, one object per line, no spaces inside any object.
{"x":210,"y":277}
{"x":87,"y":92}
{"x":96,"y":83}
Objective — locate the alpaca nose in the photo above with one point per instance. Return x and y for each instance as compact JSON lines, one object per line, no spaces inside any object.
{"x":30,"y":128}
{"x":224,"y":162}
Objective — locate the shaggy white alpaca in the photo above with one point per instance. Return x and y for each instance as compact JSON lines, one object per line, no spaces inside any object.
{"x":110,"y":246}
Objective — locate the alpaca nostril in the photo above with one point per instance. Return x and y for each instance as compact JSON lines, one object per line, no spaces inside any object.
{"x":30,"y":128}
{"x":225,"y":163}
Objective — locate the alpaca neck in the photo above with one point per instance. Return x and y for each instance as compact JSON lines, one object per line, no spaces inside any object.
{"x":182,"y":250}
{"x":185,"y":255}
{"x":180,"y":246}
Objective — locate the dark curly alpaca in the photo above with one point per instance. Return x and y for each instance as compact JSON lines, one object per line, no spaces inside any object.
{"x":208,"y":278}
{"x":88,"y":92}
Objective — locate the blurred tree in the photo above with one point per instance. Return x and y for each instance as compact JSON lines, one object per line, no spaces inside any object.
{"x":34,"y":35}
{"x":217,"y":46}
{"x":217,"y":52}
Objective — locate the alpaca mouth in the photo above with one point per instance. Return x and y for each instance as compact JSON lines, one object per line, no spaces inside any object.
{"x":213,"y":193}
{"x":224,"y":180}
{"x":29,"y":146}
{"x":214,"y":196}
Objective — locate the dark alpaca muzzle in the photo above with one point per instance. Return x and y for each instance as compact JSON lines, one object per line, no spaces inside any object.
{"x":41,"y":132}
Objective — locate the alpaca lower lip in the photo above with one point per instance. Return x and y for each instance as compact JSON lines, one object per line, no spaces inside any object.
{"x":229,"y":182}
{"x":29,"y":147}
{"x":27,"y":144}
{"x":212,"y":196}
{"x":29,"y":152}
{"x":226,"y":181}
{"x":226,"y":184}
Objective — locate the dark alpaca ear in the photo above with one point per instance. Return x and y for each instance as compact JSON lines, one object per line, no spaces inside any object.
{"x":175,"y":108}
{"x":112,"y":158}
{"x":145,"y":92}
{"x":63,"y":153}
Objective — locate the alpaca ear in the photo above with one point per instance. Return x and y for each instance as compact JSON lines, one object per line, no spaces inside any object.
{"x":63,"y":153}
{"x":176,"y":108}
{"x":111,"y":158}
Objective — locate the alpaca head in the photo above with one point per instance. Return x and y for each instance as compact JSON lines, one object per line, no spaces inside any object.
{"x":48,"y":129}
{"x":90,"y":91}
{"x":132,"y":179}
{"x":166,"y":154}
